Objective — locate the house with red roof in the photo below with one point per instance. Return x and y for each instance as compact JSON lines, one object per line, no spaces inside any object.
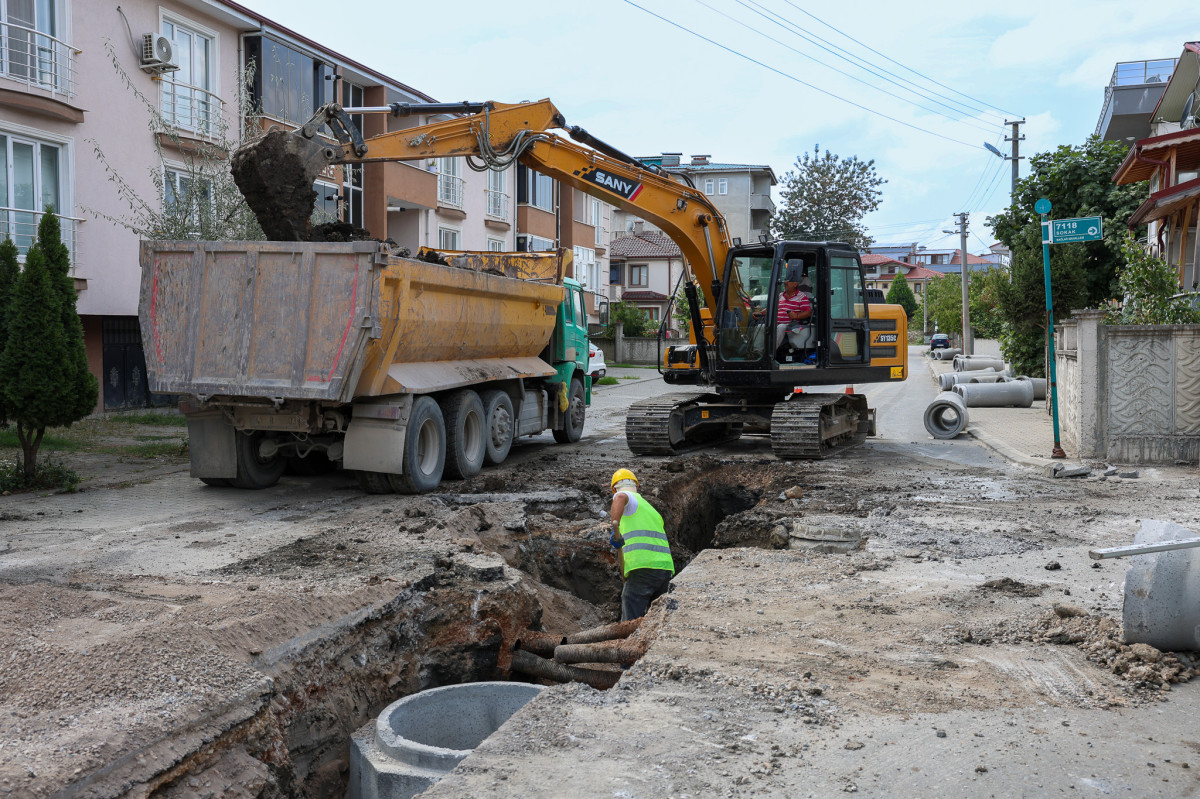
{"x":644,"y":270}
{"x":882,"y":270}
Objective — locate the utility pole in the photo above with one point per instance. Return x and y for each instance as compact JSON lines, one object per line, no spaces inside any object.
{"x":968,"y":340}
{"x":1016,"y":138}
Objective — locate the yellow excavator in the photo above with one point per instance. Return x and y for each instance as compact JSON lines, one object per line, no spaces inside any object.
{"x":747,"y":372}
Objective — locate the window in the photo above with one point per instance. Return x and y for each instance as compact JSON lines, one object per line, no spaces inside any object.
{"x":651,"y":312}
{"x":495,"y":245}
{"x":326,"y":208}
{"x":352,"y":174}
{"x":448,"y":238}
{"x":28,"y":51}
{"x":30,"y":180}
{"x":845,"y":289}
{"x":497,"y":199}
{"x":288,"y":84}
{"x":615,"y":272}
{"x":534,"y":188}
{"x":708,"y":186}
{"x":587,"y":271}
{"x":450,"y":185}
{"x":188,"y":93}
{"x":639,"y":275}
{"x":186,"y":197}
{"x":723,"y":186}
{"x":530,"y":243}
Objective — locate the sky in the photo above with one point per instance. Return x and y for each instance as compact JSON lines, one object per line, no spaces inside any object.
{"x":762,"y":81}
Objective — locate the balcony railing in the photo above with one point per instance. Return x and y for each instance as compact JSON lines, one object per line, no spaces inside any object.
{"x":37,"y":59}
{"x":190,"y":107}
{"x":1135,"y":73}
{"x":450,"y":191}
{"x":21,"y":226}
{"x":497,"y":204}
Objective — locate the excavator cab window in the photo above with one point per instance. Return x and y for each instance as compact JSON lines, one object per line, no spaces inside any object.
{"x":742,"y":324}
{"x":848,"y":310}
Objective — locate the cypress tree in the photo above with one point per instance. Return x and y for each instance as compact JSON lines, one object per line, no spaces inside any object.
{"x":83,"y":388}
{"x":33,"y":368}
{"x":9,"y":272}
{"x":900,"y":293}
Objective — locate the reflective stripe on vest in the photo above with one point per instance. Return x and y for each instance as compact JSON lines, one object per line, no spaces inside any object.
{"x":645,"y":539}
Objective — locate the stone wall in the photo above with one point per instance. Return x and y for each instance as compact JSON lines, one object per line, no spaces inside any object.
{"x":1126,"y":393}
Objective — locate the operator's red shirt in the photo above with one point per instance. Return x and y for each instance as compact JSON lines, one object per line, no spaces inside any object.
{"x":798,"y":301}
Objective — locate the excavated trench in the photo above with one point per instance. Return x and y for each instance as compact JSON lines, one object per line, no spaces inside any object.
{"x":533,"y":561}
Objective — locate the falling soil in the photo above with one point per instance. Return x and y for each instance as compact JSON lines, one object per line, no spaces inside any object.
{"x":277,"y":183}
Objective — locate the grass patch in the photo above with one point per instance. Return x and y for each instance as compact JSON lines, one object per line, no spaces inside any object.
{"x":175,"y":448}
{"x":606,"y":381}
{"x":632,"y":377}
{"x":59,"y":441}
{"x":51,"y":475}
{"x":167,"y":419}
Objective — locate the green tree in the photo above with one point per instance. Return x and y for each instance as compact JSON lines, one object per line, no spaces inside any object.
{"x":10,"y":271}
{"x":984,"y":290}
{"x":900,"y":293}
{"x":34,"y":368}
{"x":826,"y":197}
{"x":944,"y":303}
{"x":634,"y":320}
{"x":82,"y":386}
{"x":1147,"y":286}
{"x":1078,"y":182}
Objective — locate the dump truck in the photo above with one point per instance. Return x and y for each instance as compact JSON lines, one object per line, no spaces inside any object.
{"x":306,"y":355}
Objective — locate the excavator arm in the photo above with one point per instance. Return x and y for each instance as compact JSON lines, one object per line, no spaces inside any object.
{"x":275,"y":170}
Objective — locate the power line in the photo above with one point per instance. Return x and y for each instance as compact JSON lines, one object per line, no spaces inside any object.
{"x":897,"y":63}
{"x":853,"y":60}
{"x":793,"y":78}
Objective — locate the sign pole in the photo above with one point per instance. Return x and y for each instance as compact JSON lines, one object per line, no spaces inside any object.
{"x":1043,"y":208}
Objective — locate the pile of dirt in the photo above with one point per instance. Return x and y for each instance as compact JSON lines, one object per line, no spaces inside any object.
{"x":275,"y":179}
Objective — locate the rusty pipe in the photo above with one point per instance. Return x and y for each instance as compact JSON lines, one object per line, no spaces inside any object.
{"x":624,"y":652}
{"x":529,"y":663}
{"x":605,"y":632}
{"x":539,"y":643}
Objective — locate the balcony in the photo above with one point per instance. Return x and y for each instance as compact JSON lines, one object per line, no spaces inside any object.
{"x":21,"y":226}
{"x":1131,"y":96}
{"x":497,"y":205}
{"x":450,"y":191}
{"x":762,"y":202}
{"x":191,"y":108}
{"x":409,"y":187}
{"x":37,"y":60}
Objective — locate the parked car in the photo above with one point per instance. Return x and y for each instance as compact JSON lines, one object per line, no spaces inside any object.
{"x":596,"y":365}
{"x":940,"y":341}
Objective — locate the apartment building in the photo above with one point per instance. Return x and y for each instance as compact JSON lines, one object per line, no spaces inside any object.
{"x":76,"y":77}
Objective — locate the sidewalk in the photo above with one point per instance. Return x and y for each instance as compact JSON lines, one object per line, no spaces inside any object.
{"x":1022,"y":435}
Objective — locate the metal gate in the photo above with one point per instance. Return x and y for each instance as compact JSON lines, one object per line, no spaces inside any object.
{"x":124,"y":379}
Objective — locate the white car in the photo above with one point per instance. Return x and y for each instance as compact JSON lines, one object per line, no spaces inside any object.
{"x":596,"y":365}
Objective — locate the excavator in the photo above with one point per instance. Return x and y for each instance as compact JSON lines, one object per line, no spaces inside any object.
{"x":743,"y":372}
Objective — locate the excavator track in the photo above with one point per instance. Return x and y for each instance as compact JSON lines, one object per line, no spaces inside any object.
{"x":815,"y":426}
{"x":653,"y":427}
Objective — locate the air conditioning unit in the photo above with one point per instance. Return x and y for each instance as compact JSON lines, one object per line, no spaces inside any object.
{"x":158,"y":54}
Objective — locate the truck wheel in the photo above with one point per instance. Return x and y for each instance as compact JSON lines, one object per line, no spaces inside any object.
{"x":216,"y":482}
{"x":465,"y":426}
{"x":576,"y":408}
{"x":500,"y":424}
{"x":424,"y":449}
{"x":375,"y":482}
{"x":254,"y":469}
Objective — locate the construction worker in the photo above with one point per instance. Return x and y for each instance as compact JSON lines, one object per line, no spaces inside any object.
{"x":643,"y":555}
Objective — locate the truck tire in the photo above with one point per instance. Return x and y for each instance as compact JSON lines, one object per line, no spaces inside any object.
{"x":216,"y":482}
{"x":254,"y":470}
{"x":465,"y":434}
{"x":375,"y":483}
{"x":499,"y":425}
{"x":424,"y":449}
{"x":572,"y":429}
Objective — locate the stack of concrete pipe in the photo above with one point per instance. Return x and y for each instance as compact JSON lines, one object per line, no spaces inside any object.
{"x":973,"y":363}
{"x":946,"y":416}
{"x":1039,"y":386}
{"x":1010,"y":394}
{"x":946,"y":354}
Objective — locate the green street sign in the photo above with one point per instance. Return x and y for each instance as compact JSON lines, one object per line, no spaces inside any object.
{"x":1068,"y":231}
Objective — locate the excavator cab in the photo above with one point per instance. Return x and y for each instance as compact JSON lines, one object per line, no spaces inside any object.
{"x":753,"y":349}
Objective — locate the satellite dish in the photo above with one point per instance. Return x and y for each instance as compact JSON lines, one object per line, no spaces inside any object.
{"x":1188,"y":119}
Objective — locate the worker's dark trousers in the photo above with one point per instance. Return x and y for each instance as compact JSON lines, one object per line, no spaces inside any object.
{"x":642,"y":586}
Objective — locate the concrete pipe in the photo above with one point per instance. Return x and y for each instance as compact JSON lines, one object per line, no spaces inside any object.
{"x":1162,"y":591}
{"x":529,"y":663}
{"x":981,"y":377}
{"x":419,"y":739}
{"x":975,"y":363}
{"x":946,"y":416}
{"x":948,"y":380}
{"x":606,"y":632}
{"x":539,"y":643}
{"x":1039,"y":386}
{"x":947,"y":354}
{"x":1014,"y":394}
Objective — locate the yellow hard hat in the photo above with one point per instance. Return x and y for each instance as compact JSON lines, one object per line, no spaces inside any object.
{"x":622,"y":474}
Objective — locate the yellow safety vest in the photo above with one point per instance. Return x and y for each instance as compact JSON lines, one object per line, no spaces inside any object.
{"x":644,"y":539}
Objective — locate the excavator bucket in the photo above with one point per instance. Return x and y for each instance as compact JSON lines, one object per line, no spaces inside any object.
{"x":275,"y":174}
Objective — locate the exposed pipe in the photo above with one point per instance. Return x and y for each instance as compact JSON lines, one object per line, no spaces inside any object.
{"x":605,"y":632}
{"x":1014,"y":394}
{"x":972,"y":363}
{"x":539,"y":643}
{"x":1039,"y":386}
{"x":624,"y":652}
{"x":946,"y":416}
{"x":529,"y":663}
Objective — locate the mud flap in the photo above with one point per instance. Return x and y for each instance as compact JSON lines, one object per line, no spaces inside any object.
{"x":375,"y":437}
{"x":212,"y":444}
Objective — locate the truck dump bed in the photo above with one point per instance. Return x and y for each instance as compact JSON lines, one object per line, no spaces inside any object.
{"x":331,"y":321}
